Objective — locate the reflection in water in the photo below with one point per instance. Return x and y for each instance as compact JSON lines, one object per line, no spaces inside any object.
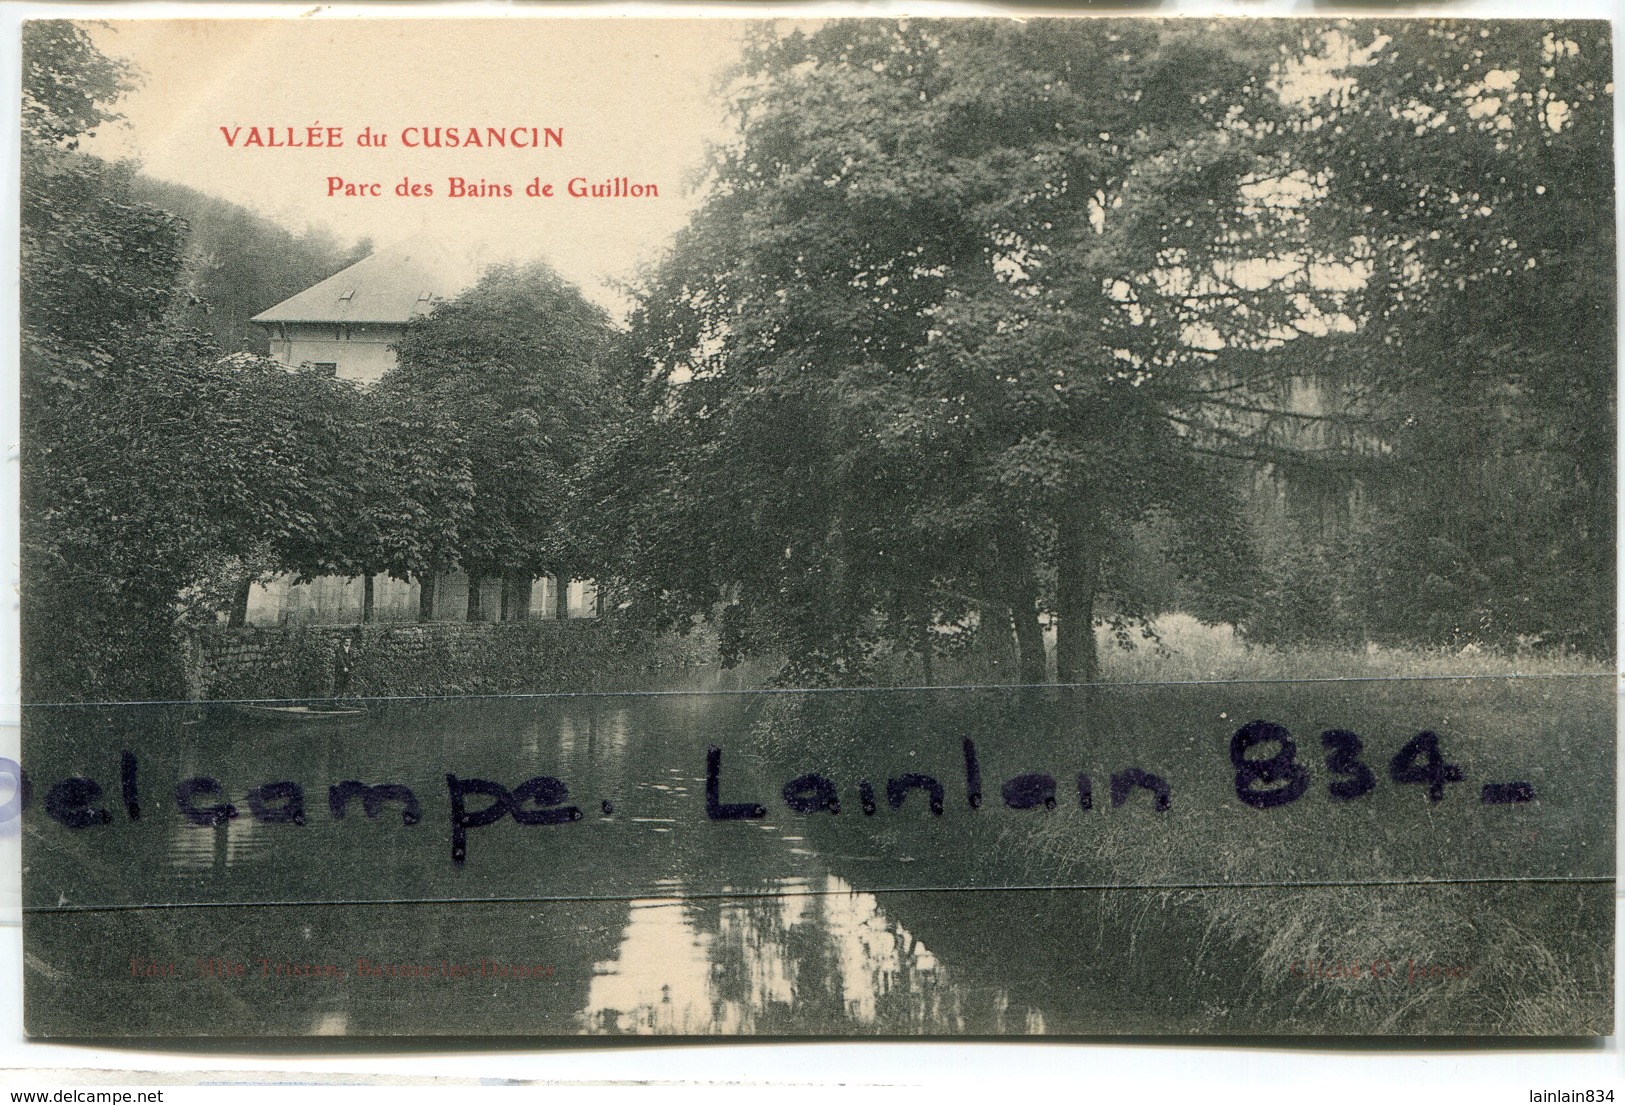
{"x":330,"y":1024}
{"x":811,"y":955}
{"x":799,"y":949}
{"x":197,"y":849}
{"x":660,"y":981}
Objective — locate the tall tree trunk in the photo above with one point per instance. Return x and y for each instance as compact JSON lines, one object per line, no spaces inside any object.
{"x":1031,"y":661}
{"x":838,"y":606}
{"x":505,"y":599}
{"x":368,"y":609}
{"x":561,"y":595}
{"x":516,"y":588}
{"x":474,"y":613}
{"x":426,"y":597}
{"x":1077,"y":570}
{"x":239,"y":604}
{"x":1020,"y":593}
{"x":927,"y":649}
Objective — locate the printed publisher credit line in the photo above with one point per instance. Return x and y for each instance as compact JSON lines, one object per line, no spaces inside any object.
{"x":723,"y":895}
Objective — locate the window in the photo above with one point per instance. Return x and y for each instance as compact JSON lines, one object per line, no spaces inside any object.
{"x":326,"y":368}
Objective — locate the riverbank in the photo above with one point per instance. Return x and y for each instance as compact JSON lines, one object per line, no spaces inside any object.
{"x":542,"y":657}
{"x":1419,"y":901}
{"x":1185,"y":650}
{"x":1180,"y":649}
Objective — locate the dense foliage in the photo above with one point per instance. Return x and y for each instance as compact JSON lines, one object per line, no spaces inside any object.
{"x":238,"y":263}
{"x":515,"y":365}
{"x":974,"y":308}
{"x":982,"y":329}
{"x":1475,"y":163}
{"x":159,"y":476}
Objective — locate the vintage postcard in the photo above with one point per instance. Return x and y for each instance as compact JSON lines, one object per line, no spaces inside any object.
{"x":828,"y":527}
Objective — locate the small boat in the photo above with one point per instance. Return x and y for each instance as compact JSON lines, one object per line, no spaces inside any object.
{"x":300,"y":714}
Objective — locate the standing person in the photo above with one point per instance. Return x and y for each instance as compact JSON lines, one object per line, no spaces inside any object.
{"x":343,"y":664}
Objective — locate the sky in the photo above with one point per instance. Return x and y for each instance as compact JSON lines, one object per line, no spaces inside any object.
{"x":633,"y":98}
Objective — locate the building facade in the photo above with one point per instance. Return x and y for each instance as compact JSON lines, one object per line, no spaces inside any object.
{"x":349,"y":323}
{"x":335,"y":600}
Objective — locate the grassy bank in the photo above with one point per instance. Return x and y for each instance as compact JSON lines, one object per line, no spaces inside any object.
{"x":1229,"y":897}
{"x":1183,"y":650}
{"x":1537,"y":956}
{"x":1189,"y":651}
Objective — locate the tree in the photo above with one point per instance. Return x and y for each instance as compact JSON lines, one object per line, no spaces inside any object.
{"x":238,"y":263}
{"x":966,"y":305}
{"x":98,"y":275}
{"x":68,"y":85}
{"x":151,"y":466}
{"x":356,"y":482}
{"x":515,"y":365}
{"x":417,"y":494}
{"x":1469,"y":167}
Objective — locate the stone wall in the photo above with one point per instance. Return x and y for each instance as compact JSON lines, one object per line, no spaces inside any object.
{"x":438,"y":658}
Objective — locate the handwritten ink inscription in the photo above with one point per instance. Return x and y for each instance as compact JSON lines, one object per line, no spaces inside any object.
{"x":1269,"y":775}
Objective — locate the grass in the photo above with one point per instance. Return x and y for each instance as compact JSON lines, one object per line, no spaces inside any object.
{"x":1540,"y":953}
{"x":1528,"y":978}
{"x":1185,"y":651}
{"x":1190,"y":651}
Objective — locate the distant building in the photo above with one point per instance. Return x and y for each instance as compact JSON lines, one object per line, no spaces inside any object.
{"x":349,"y":323}
{"x":348,"y":326}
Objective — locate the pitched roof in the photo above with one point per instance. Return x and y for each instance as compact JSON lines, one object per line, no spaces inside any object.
{"x":393,"y":285}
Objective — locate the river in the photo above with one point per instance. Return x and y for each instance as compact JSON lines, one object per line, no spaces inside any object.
{"x":645,"y":915}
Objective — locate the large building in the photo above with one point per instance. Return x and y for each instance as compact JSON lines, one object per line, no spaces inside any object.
{"x":348,"y":326}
